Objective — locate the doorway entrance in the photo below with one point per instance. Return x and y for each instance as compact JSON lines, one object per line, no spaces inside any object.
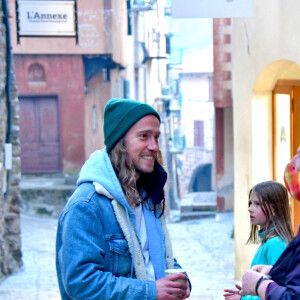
{"x":39,"y":134}
{"x":286,"y":132}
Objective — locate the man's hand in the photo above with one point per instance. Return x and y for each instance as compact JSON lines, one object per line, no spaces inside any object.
{"x":264,"y":269}
{"x":249,"y":280}
{"x":168,"y":288}
{"x":188,"y":290}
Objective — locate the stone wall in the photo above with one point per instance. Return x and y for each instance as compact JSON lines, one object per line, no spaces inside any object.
{"x":222,"y":35}
{"x":10,"y":239}
{"x":187,"y":162}
{"x":222,"y":62}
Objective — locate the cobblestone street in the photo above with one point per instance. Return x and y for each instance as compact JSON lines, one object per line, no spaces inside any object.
{"x":203,"y":247}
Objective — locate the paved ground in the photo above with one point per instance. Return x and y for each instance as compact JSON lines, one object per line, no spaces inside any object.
{"x":203,"y":247}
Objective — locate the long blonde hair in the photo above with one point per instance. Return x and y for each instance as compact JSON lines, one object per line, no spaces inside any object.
{"x":126,"y":173}
{"x":274,"y":202}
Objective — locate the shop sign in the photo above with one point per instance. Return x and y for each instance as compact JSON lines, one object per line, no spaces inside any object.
{"x":46,"y":18}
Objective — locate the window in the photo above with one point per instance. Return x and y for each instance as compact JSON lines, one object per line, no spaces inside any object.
{"x":125,"y":89}
{"x":211,"y":88}
{"x":198,"y":133}
{"x":116,"y":89}
{"x":94,"y":114}
{"x":36,"y":73}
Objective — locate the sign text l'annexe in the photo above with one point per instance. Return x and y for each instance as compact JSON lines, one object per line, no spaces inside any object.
{"x":36,"y":15}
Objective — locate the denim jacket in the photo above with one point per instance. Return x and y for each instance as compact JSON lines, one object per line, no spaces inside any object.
{"x":98,"y":254}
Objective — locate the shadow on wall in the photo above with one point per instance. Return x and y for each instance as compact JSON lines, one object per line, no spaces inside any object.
{"x":201,"y":179}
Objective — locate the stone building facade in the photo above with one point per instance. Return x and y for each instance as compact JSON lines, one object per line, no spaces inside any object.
{"x":10,"y":239}
{"x":222,"y":87}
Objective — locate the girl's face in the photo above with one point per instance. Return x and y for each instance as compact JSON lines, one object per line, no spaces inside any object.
{"x":257,"y":216}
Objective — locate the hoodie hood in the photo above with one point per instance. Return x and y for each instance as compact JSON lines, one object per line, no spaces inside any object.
{"x":98,"y":169}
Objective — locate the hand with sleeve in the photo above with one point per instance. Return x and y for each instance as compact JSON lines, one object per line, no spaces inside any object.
{"x":249,"y":281}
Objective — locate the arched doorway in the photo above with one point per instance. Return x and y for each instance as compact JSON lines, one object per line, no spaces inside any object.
{"x":280,"y":82}
{"x":286,"y":131}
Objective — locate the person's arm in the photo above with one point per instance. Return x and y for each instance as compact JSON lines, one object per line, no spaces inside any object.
{"x":249,"y":284}
{"x":273,"y":248}
{"x":176,"y":264}
{"x":262,"y":288}
{"x":289,"y":289}
{"x":262,"y":270}
{"x":277,"y":292}
{"x":82,"y":264}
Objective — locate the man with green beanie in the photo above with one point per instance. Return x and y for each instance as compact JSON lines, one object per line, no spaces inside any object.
{"x":112,"y":240}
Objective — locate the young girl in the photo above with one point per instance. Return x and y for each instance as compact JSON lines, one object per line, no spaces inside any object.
{"x":271,"y":225}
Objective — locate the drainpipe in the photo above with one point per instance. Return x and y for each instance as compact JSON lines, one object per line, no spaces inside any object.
{"x":7,"y":149}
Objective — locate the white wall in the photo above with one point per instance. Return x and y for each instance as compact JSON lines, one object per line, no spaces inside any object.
{"x":196,"y":106}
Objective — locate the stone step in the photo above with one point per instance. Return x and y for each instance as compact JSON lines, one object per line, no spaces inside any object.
{"x":48,"y":202}
{"x":199,"y":201}
{"x":45,"y":194}
{"x":185,"y":215}
{"x":198,"y":205}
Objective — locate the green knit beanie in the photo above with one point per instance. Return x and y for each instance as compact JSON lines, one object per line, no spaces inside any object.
{"x":120,"y":115}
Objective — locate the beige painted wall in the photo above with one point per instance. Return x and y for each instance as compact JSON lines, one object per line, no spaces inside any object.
{"x":265,"y":49}
{"x":99,"y":94}
{"x":228,"y":159}
{"x":120,"y":39}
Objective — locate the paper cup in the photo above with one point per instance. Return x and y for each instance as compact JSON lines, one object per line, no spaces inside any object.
{"x":175,"y":271}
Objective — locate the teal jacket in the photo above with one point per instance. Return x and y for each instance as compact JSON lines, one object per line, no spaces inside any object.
{"x":267,"y":254}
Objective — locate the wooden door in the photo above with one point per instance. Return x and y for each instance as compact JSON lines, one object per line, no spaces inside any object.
{"x":39,"y":134}
{"x":289,"y":90}
{"x":295,"y":143}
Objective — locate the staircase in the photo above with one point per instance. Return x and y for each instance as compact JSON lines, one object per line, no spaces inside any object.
{"x":198,"y":204}
{"x":45,"y":194}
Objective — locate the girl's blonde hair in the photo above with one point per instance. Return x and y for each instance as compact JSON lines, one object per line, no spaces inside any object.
{"x":274,"y":202}
{"x":126,"y":174}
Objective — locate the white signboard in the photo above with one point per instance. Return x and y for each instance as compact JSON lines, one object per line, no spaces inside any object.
{"x":46,"y":18}
{"x":212,"y":8}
